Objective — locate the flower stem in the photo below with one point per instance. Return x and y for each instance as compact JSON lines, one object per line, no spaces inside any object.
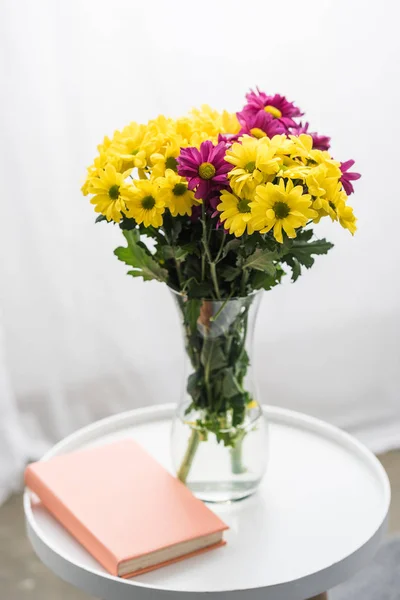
{"x":190,"y":453}
{"x":177,"y":264}
{"x":208,"y":253}
{"x":237,"y":456}
{"x":215,"y":279}
{"x":221,"y":247}
{"x":245,"y":276}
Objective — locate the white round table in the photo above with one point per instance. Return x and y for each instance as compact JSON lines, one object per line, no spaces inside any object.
{"x":317,"y":518}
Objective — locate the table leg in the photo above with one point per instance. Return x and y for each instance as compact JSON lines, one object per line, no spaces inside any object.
{"x":323,"y":596}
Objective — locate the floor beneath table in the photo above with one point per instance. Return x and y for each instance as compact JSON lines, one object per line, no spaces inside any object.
{"x":22,"y":575}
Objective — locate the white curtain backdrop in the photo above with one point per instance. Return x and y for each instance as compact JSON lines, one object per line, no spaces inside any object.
{"x":78,"y":339}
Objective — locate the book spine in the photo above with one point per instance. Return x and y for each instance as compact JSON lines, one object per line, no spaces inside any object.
{"x":70,"y":522}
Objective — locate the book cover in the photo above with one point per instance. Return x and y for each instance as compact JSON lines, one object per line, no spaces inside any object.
{"x":128,"y":511}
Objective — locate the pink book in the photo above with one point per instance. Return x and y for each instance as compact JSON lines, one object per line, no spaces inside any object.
{"x":124,"y":507}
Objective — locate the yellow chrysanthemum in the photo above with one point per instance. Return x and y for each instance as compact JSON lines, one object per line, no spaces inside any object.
{"x":166,"y":157}
{"x":198,"y":137}
{"x":184,"y":127}
{"x":145,"y":205}
{"x":235,"y":213}
{"x":158,"y":135}
{"x":282,"y":144}
{"x":128,"y":146}
{"x":282,"y":208}
{"x":111,"y":192}
{"x":293,"y":169}
{"x":322,"y":157}
{"x":175,"y":194}
{"x":100,"y":162}
{"x":104,"y":147}
{"x":317,"y":181}
{"x":206,"y":120}
{"x":347,"y":218}
{"x":206,"y":123}
{"x":230,"y":123}
{"x":161,"y":125}
{"x":302,"y":145}
{"x":336,"y":207}
{"x":245,"y":176}
{"x":267,"y":161}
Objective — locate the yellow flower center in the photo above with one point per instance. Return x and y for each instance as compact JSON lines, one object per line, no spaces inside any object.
{"x":171,"y":163}
{"x":113,"y":192}
{"x":243,"y":205}
{"x":250,"y":167}
{"x":206,"y":170}
{"x":148,"y":202}
{"x":134,"y":152}
{"x":272,"y":110}
{"x":281,"y":210}
{"x":257,"y":132}
{"x":179,"y":189}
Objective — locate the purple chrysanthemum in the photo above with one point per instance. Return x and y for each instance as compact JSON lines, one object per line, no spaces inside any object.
{"x":347,"y":177}
{"x":320,"y":142}
{"x":260,"y":123}
{"x":277,"y":107}
{"x":204,"y":168}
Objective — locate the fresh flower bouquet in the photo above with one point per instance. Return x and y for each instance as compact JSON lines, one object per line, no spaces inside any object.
{"x":218,"y":206}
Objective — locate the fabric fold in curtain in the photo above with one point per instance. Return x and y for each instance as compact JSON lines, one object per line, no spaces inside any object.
{"x":13,"y":450}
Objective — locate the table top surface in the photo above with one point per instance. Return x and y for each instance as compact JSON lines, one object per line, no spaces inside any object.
{"x":318,"y":516}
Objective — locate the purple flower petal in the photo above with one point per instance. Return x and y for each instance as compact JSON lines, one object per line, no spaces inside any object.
{"x":190,"y":160}
{"x":347,"y":176}
{"x":206,"y":149}
{"x":345,"y":166}
{"x":194,"y":182}
{"x":257,"y":101}
{"x":202,"y":189}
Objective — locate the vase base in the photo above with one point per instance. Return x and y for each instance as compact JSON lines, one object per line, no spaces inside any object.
{"x":218,"y":492}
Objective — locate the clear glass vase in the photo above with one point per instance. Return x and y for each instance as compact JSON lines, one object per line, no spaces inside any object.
{"x":219,"y":433}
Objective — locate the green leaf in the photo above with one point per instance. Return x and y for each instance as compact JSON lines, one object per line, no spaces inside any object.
{"x":172,"y":226}
{"x":303,"y":251}
{"x":180,"y":253}
{"x":263,"y":281}
{"x":192,"y":268}
{"x":136,"y":256}
{"x":230,"y":385}
{"x":304,"y":235}
{"x":194,"y":385}
{"x":175,"y":230}
{"x":101,"y":218}
{"x":231,"y":246}
{"x":198,"y":290}
{"x":262,"y":260}
{"x":229,"y":273}
{"x":127,"y":223}
{"x":242,"y":364}
{"x":212,"y":357}
{"x":190,"y":248}
{"x":174,"y":253}
{"x":295,"y":266}
{"x":252,"y":242}
{"x":239,"y":407}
